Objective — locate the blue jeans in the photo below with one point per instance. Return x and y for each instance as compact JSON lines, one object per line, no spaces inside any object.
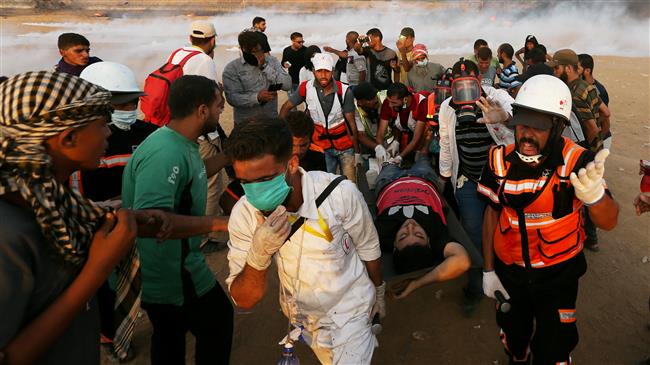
{"x":335,"y":159}
{"x":471,"y":208}
{"x":421,"y":168}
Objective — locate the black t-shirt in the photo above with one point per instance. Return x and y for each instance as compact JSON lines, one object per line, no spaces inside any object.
{"x":106,"y":182}
{"x":380,"y":70}
{"x":297,"y":60}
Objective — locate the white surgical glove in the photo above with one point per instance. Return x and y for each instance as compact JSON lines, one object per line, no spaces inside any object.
{"x":491,"y":284}
{"x":588,"y":183}
{"x":493,"y":112}
{"x":397,"y":160}
{"x":393,"y":148}
{"x":380,"y":154}
{"x":380,"y":301}
{"x":269,"y":236}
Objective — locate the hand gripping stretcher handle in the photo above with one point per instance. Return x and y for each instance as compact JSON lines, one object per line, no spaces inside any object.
{"x":376,"y":325}
{"x":502,"y":303}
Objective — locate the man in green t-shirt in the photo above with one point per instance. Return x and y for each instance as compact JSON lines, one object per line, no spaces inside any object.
{"x":179,"y":292}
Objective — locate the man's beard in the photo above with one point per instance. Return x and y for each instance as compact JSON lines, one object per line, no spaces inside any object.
{"x":209,"y":127}
{"x":564,"y":77}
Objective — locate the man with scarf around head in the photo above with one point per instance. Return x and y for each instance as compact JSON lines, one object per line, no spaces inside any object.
{"x":252,"y":81}
{"x":329,"y":264}
{"x":58,"y":247}
{"x":534,"y":234}
{"x":473,"y":119}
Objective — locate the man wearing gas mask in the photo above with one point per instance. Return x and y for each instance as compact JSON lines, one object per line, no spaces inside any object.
{"x":252,"y":81}
{"x":408,"y":113}
{"x":471,"y":120}
{"x":319,"y":230}
{"x":534,"y":235}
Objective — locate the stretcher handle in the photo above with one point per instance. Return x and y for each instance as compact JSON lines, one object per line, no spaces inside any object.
{"x":502,"y":303}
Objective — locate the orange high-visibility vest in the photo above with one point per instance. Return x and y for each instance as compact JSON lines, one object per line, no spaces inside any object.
{"x":531,"y":236}
{"x":330,"y":131}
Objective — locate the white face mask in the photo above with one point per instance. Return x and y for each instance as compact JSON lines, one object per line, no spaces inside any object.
{"x":123,"y":119}
{"x":422,"y":63}
{"x":529,"y":159}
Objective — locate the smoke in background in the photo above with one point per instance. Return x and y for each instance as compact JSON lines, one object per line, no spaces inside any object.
{"x":144,"y":43}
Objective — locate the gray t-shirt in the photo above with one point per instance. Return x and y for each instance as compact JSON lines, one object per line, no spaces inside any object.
{"x":487,"y":78}
{"x":31,"y":278}
{"x":355,"y":64}
{"x":327,"y":101}
{"x":422,"y":78}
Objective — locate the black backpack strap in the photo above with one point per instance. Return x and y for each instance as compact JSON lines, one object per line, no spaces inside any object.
{"x":321,"y":198}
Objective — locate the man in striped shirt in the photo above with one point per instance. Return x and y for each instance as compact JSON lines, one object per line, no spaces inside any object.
{"x":508,"y":77}
{"x":466,"y":133}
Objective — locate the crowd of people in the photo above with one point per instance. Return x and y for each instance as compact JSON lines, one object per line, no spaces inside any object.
{"x":105,"y":214}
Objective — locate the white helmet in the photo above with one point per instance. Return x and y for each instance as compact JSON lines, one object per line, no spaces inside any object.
{"x":114,"y":77}
{"x":545,"y":94}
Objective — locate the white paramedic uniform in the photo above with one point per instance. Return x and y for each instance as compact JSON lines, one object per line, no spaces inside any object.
{"x":327,"y":289}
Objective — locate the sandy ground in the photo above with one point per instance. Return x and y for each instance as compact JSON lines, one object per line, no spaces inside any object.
{"x":612,"y":304}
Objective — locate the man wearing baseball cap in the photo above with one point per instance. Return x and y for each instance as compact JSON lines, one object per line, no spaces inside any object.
{"x":331,"y":107}
{"x":424,"y":74}
{"x":586,"y":104}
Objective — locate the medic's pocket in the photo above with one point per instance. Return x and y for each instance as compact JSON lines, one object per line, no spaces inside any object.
{"x":504,"y":223}
{"x":563,"y":194}
{"x":561,"y":237}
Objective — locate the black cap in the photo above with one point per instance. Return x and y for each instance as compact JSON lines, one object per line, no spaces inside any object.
{"x":531,"y":118}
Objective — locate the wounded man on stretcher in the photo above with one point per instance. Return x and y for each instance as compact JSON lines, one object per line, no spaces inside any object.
{"x":418,"y":233}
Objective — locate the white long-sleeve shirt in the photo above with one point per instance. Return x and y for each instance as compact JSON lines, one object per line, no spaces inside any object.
{"x":326,"y":283}
{"x":449,"y":160}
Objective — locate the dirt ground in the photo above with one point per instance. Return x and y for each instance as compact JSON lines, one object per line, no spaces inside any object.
{"x":428,"y":327}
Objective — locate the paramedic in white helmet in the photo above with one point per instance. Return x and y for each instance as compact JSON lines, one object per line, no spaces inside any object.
{"x":536,"y":189}
{"x":328,"y":264}
{"x":104,"y":185}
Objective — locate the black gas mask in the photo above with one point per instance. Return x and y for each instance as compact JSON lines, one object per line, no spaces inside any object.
{"x":465,"y":91}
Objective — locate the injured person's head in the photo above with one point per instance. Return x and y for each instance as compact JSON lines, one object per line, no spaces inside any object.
{"x":412,"y":251}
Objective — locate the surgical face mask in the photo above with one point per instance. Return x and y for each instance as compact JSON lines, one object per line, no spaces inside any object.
{"x":123,"y":119}
{"x":250,"y":58}
{"x":422,"y":63}
{"x":267,"y":195}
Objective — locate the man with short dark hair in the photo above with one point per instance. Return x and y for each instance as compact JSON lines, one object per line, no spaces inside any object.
{"x":535,"y":64}
{"x":381,"y":59}
{"x":404,"y":46}
{"x":478,"y":44}
{"x":259,"y":25}
{"x":484,"y":61}
{"x":329,"y":269}
{"x":509,"y":73}
{"x":586,"y":71}
{"x":252,"y":80}
{"x":355,"y":64}
{"x":411,"y":225}
{"x":75,"y":54}
{"x":293,"y":59}
{"x":369,"y":102}
{"x":166,"y":172}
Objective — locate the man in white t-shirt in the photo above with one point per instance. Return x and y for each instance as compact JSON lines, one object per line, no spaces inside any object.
{"x":203,"y":39}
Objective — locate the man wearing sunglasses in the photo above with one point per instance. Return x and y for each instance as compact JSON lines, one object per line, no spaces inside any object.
{"x":471,"y":120}
{"x":293,"y":59}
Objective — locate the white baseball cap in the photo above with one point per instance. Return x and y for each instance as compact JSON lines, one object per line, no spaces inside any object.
{"x":322,"y":61}
{"x":202,"y":29}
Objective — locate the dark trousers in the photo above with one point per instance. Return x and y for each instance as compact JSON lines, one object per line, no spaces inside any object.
{"x":106,"y":301}
{"x":590,"y":229}
{"x":541,"y":319}
{"x":209,"y":318}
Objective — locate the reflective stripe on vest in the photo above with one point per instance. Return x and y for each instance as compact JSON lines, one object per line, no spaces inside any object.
{"x":114,"y":161}
{"x":550,"y":240}
{"x":328,"y":131}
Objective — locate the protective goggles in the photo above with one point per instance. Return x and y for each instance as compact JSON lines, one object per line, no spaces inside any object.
{"x":465,"y":90}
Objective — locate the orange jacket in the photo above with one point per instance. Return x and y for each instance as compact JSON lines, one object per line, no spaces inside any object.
{"x":541,"y":240}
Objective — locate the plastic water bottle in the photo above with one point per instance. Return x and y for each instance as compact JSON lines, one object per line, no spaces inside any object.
{"x":288,"y":356}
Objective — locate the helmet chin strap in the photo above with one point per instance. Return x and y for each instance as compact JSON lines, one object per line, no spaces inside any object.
{"x":529,"y":159}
